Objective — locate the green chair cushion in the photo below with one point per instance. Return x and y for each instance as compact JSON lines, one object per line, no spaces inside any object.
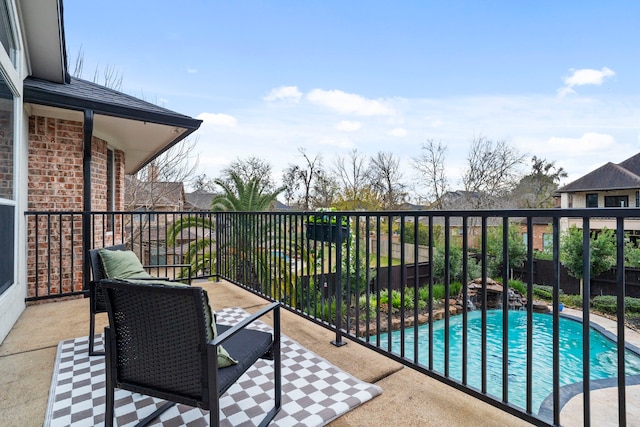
{"x":122,"y":265}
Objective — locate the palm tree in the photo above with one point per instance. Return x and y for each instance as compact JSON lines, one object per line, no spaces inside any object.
{"x":244,"y":197}
{"x":247,"y":244}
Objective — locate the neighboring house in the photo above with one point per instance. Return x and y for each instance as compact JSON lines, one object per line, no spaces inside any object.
{"x":147,"y":198}
{"x":154,"y":196}
{"x":460,"y":200}
{"x":199,"y":201}
{"x":65,"y":146}
{"x":610,"y":186}
{"x":541,"y":230}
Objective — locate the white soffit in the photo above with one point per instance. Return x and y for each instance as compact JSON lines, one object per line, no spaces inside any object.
{"x":140,"y":141}
{"x":44,"y":40}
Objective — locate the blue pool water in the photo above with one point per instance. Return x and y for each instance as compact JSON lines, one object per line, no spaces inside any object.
{"x":603,"y":353}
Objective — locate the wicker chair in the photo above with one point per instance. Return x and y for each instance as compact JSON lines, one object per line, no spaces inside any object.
{"x":96,"y":299}
{"x":157,"y":345}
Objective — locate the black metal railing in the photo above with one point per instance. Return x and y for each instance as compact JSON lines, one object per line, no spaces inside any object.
{"x":395,"y":282}
{"x":57,"y":264}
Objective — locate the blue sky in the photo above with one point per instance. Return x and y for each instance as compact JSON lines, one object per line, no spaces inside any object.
{"x":558,"y":80}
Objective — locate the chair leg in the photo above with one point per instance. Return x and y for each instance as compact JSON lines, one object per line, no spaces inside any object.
{"x":110,"y":391}
{"x":155,"y":414}
{"x":277,"y":370}
{"x":214,"y":412}
{"x":92,"y":335}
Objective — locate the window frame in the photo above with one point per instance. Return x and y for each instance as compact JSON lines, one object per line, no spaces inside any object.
{"x":10,"y":76}
{"x":619,"y":198}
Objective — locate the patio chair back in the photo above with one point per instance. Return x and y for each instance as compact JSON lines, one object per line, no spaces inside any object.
{"x":97,"y":270}
{"x":162,"y":332}
{"x":97,"y":303}
{"x":157,"y":345}
{"x":96,"y":298}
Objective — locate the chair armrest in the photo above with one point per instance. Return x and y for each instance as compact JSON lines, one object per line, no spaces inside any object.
{"x":167,"y":265}
{"x":181,"y":266}
{"x":275,"y":307}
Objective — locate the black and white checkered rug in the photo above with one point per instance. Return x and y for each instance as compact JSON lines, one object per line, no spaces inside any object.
{"x":314,"y":392}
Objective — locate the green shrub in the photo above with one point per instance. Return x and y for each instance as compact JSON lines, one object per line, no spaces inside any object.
{"x":423,"y":293}
{"x":438,"y":292}
{"x":455,"y":288}
{"x":605,"y":303}
{"x":367,"y":304}
{"x":543,"y":292}
{"x":574,"y":301}
{"x":609,"y":304}
{"x":543,"y":255}
{"x":519,"y":286}
{"x":632,"y":305}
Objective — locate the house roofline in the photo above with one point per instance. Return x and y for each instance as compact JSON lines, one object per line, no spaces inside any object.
{"x":42,"y":92}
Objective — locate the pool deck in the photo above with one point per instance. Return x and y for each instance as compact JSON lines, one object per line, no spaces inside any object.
{"x":604,"y":401}
{"x":409,"y":398}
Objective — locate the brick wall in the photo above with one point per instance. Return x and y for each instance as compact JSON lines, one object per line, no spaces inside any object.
{"x":55,"y":184}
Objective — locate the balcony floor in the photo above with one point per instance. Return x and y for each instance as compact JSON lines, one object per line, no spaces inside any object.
{"x":409,"y":398}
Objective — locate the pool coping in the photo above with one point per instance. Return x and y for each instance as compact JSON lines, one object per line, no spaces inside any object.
{"x":569,"y":391}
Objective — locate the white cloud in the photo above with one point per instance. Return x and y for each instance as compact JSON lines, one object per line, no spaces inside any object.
{"x":398,"y":132}
{"x":192,"y":70}
{"x":220,"y":119}
{"x":578,"y":133}
{"x":585,"y":76}
{"x":284,"y":93}
{"x":349,"y":103}
{"x":586,"y":144}
{"x":348,"y":126}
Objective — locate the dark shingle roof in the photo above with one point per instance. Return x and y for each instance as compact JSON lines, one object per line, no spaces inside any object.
{"x":632,"y":164}
{"x":145,"y":194}
{"x":200,"y":200}
{"x":611,"y":176}
{"x":81,"y":94}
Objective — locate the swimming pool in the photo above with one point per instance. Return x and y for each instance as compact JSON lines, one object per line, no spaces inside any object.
{"x":603,"y":353}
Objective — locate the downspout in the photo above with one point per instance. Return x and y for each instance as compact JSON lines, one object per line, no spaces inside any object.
{"x":87,"y":134}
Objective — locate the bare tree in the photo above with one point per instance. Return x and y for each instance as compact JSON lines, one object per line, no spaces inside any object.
{"x":353,"y":173}
{"x":386,"y":178}
{"x":325,"y":190}
{"x":111,"y":77}
{"x":491,"y":173}
{"x":202,"y":183}
{"x":247,"y":170}
{"x":296,"y":176}
{"x":536,"y":190}
{"x":430,"y":167}
{"x":155,"y":184}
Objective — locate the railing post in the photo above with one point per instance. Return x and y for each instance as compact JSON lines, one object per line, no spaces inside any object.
{"x":218,"y":254}
{"x":87,"y":129}
{"x":338,"y":341}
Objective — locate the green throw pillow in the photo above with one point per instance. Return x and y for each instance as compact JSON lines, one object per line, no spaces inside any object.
{"x":121,"y":265}
{"x":224,"y":359}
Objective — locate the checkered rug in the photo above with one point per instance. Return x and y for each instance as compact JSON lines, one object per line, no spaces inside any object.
{"x":314,"y":392}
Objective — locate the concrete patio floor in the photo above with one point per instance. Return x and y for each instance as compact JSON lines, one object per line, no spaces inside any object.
{"x":409,"y":398}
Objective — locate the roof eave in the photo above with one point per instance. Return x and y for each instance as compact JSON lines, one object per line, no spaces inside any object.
{"x":44,"y":97}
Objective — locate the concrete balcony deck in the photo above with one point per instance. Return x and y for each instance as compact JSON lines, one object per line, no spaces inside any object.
{"x":409,"y":398}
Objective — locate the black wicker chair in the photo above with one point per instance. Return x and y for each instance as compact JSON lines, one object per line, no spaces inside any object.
{"x":96,"y":299}
{"x":157,"y":345}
